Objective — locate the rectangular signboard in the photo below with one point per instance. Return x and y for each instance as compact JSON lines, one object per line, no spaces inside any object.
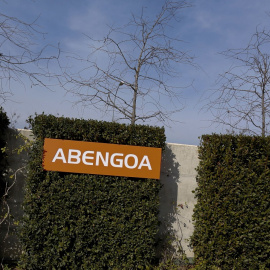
{"x":101,"y":158}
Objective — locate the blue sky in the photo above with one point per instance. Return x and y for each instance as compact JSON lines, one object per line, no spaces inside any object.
{"x":207,"y":28}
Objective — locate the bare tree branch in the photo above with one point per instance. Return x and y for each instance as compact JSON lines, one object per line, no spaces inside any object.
{"x":140,"y":61}
{"x":242,"y":100}
{"x":19,"y":58}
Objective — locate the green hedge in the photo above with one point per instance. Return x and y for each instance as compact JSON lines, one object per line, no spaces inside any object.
{"x":4,"y":122}
{"x":79,"y":221}
{"x":232,"y":215}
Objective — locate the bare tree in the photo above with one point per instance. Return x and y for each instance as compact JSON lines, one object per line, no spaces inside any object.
{"x":20,"y":60}
{"x":242,"y":100}
{"x":139,"y":62}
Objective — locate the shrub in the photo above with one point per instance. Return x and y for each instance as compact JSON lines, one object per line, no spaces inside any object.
{"x":79,"y":221}
{"x":232,"y":214}
{"x":4,"y":122}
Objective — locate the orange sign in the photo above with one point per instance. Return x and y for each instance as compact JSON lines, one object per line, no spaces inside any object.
{"x":101,"y":158}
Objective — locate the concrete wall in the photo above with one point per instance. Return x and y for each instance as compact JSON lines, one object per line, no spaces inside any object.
{"x":178,"y":176}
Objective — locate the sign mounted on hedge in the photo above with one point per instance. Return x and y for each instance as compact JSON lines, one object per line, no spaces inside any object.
{"x":101,"y":158}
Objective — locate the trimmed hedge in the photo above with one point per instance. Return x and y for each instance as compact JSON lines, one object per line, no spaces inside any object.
{"x":79,"y":221}
{"x":232,"y":214}
{"x":4,"y":122}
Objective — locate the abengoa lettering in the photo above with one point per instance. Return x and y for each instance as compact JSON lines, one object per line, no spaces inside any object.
{"x":101,"y":158}
{"x":116,"y":159}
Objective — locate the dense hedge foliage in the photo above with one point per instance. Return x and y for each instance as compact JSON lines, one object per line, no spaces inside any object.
{"x":79,"y":221}
{"x":232,"y":215}
{"x":4,"y":122}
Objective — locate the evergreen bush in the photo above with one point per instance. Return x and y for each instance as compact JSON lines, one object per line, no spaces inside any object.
{"x":232,"y":214}
{"x":4,"y":122}
{"x":80,"y":221}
